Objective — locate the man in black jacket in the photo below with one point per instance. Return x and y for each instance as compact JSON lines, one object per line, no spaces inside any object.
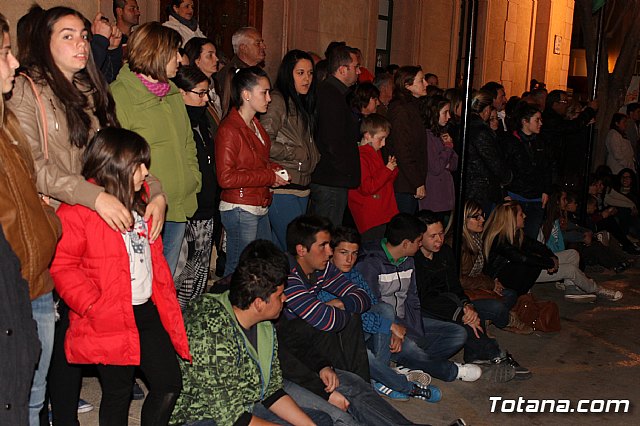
{"x":562,"y":132}
{"x":442,"y":297}
{"x":337,"y":135}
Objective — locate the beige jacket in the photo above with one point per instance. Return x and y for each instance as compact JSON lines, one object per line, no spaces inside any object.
{"x":58,"y":164}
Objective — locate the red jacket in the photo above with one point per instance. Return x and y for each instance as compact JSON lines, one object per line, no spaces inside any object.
{"x":242,"y":162}
{"x":373,"y":203}
{"x":91,"y":267}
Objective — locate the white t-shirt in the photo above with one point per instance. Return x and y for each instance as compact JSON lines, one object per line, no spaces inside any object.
{"x":136,"y":242}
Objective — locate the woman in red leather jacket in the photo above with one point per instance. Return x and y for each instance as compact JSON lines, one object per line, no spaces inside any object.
{"x":244,"y":171}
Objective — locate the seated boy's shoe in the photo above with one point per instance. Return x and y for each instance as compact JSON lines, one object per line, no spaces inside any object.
{"x":501,"y":372}
{"x":594,"y":269}
{"x":607,"y":294}
{"x":137,"y":393}
{"x":418,"y":377}
{"x":84,"y":406}
{"x":468,"y":372}
{"x":522,"y":373}
{"x":575,"y":295}
{"x":389,"y":393}
{"x":560,"y":285}
{"x":430,"y":394}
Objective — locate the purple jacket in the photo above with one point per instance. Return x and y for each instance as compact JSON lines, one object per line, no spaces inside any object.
{"x":439,"y":184}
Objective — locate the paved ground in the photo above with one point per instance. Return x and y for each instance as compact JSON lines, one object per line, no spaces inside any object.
{"x":595,"y":356}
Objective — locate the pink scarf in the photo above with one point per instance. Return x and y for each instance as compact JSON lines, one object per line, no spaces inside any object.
{"x":160,"y":89}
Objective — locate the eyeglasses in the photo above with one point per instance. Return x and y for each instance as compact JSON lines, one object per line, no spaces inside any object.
{"x":200,"y":94}
{"x":478,"y":216}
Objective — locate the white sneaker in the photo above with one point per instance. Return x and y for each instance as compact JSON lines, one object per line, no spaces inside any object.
{"x":419,"y":377}
{"x":611,"y":295}
{"x":468,"y":372}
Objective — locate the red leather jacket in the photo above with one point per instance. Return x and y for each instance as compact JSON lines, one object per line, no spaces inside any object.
{"x":91,"y":267}
{"x":242,"y":162}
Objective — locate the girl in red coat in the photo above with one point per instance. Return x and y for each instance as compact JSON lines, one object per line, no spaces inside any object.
{"x":373,"y":203}
{"x":124,"y":311}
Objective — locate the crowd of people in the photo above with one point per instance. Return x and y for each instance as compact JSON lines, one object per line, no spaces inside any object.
{"x":131,"y":150}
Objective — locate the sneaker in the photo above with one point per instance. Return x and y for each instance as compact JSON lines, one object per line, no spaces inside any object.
{"x":84,"y":406}
{"x":575,"y":295}
{"x":502,"y":372}
{"x":516,"y":325}
{"x":560,"y":285}
{"x":137,"y":393}
{"x":522,"y":373}
{"x":468,"y":372}
{"x":418,"y":377}
{"x":607,"y":294}
{"x":430,"y":394}
{"x":389,"y":393}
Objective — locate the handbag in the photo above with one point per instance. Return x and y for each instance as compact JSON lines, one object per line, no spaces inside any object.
{"x":541,"y":315}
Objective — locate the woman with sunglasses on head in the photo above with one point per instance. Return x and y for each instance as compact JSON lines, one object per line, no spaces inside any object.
{"x":487,"y":294}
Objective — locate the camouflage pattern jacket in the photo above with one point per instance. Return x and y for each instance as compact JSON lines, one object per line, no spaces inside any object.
{"x":227,"y":376}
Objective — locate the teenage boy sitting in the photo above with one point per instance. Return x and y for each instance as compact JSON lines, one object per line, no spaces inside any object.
{"x":235,"y":376}
{"x":373,"y":203}
{"x":322,"y":344}
{"x":442,"y":298}
{"x":387,"y":266}
{"x":378,"y":325}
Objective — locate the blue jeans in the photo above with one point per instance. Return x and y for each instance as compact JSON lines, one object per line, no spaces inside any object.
{"x":318,"y":417}
{"x":242,"y":228}
{"x":379,"y":354}
{"x":367,"y":408}
{"x":407,"y":203}
{"x":172,"y":236}
{"x":431,"y":353}
{"x":284,"y":208}
{"x":497,"y":311}
{"x":329,"y":202}
{"x":43,"y":312}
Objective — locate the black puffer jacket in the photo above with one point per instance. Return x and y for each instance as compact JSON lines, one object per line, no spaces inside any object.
{"x":486,"y":172}
{"x":530,"y":162}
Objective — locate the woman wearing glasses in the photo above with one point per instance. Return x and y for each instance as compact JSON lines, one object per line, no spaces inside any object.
{"x":195,"y":253}
{"x":488,"y":295}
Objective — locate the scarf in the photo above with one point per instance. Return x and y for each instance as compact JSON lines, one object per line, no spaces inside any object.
{"x":192,"y":23}
{"x":160,"y":88}
{"x":478,"y":262}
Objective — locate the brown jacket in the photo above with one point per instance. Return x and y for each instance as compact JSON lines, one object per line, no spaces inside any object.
{"x":31,"y":227}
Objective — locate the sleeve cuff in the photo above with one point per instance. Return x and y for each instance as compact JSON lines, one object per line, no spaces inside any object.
{"x":244,"y":419}
{"x":271,"y":399}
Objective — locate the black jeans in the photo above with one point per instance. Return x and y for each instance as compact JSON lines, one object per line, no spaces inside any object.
{"x":64,"y":380}
{"x":160,"y":366}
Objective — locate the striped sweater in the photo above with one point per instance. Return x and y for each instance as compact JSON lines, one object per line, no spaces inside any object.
{"x":302,"y":297}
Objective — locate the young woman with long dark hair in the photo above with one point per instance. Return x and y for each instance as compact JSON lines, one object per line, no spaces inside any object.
{"x":290,"y":123}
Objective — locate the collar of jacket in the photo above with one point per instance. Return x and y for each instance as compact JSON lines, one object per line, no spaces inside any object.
{"x":342,"y":88}
{"x":140,"y":95}
{"x":235,"y":119}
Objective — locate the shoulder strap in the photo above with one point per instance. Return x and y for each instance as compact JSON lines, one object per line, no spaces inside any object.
{"x":43,"y":115}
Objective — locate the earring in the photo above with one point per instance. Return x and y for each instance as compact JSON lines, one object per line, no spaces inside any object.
{"x":246,"y":99}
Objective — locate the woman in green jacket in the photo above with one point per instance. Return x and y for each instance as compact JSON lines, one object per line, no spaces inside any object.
{"x":148,"y":103}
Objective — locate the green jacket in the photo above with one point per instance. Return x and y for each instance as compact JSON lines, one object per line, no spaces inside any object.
{"x":227,"y":376}
{"x":165,"y":125}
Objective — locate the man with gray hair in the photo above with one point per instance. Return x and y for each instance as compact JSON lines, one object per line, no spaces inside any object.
{"x":249,"y":50}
